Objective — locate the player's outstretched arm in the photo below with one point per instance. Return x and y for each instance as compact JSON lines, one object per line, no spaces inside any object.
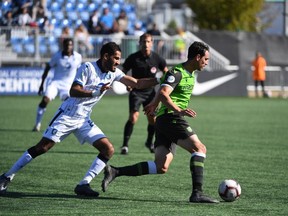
{"x":138,"y":83}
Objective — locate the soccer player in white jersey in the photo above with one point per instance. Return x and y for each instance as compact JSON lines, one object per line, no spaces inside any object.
{"x":64,"y":65}
{"x":91,"y":82}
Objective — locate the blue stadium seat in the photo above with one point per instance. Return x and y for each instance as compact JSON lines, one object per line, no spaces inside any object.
{"x":81,"y":7}
{"x":69,"y":7}
{"x":115,"y":9}
{"x":92,"y":7}
{"x":84,"y":15}
{"x":29,"y":45}
{"x":55,"y":6}
{"x":59,"y":15}
{"x":72,"y":15}
{"x":53,"y":44}
{"x":16,"y":44}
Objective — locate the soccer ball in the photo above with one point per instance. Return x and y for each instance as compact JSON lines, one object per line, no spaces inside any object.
{"x":229,"y":190}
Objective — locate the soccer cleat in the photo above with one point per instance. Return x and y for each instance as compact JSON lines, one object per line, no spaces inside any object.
{"x":4,"y":181}
{"x":199,"y":197}
{"x":85,"y":190}
{"x":37,"y":127}
{"x":110,"y":173}
{"x":124,"y":150}
{"x":150,"y":147}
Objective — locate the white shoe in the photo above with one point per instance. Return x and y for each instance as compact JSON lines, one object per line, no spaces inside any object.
{"x":124,"y":150}
{"x":37,"y":127}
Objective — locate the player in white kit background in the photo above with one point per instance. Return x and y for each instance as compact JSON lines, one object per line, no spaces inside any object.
{"x":63,"y":65}
{"x":91,"y":82}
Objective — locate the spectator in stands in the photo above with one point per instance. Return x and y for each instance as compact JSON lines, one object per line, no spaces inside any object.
{"x":45,"y":26}
{"x":180,"y":44}
{"x":24,"y":18}
{"x":8,"y":19}
{"x":93,"y":23}
{"x":83,"y":37}
{"x":122,"y":21}
{"x":117,"y":34}
{"x":154,"y":30}
{"x":259,"y":75}
{"x":106,"y":21}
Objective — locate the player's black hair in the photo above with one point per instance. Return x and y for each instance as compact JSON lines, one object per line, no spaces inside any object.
{"x":110,"y":48}
{"x":197,"y":48}
{"x":66,"y":41}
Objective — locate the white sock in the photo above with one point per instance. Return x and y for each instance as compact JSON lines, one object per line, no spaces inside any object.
{"x":40,"y":113}
{"x":20,"y":163}
{"x":97,"y":166}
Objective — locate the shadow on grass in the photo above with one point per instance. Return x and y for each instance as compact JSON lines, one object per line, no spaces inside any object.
{"x":19,"y":195}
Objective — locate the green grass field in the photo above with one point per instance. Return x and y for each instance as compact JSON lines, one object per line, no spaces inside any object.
{"x":247,"y":139}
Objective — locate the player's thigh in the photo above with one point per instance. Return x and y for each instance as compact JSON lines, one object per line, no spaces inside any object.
{"x":88,"y":132}
{"x":192,"y":144}
{"x":59,"y":127}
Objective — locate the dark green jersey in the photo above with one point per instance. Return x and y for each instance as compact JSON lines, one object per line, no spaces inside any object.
{"x":182,"y":83}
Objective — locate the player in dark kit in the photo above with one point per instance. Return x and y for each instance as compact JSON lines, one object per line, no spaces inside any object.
{"x":143,"y":64}
{"x":171,"y":127}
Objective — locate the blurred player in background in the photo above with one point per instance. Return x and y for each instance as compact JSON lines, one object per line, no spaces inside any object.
{"x":171,"y":127}
{"x":91,"y":82}
{"x":259,"y":75}
{"x":64,"y":65}
{"x":143,"y":63}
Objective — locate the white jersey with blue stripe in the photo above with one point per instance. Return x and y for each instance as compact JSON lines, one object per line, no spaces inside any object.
{"x":90,"y":76}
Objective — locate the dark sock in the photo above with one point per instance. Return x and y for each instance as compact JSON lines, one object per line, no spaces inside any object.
{"x":127,"y":132}
{"x":134,"y":170}
{"x":197,"y":168}
{"x":151,"y":131}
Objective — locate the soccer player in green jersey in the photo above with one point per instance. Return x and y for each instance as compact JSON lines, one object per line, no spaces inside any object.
{"x":171,"y":128}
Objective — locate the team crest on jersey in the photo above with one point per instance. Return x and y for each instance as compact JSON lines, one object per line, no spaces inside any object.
{"x":153,"y":70}
{"x":108,"y":76}
{"x":170,"y":79}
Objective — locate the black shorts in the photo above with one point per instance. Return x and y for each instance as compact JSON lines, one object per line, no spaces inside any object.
{"x":136,"y":99}
{"x":169,"y":128}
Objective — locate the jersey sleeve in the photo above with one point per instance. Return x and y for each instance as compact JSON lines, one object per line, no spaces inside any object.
{"x":82,"y":74}
{"x":119,"y":74}
{"x":172,"y":78}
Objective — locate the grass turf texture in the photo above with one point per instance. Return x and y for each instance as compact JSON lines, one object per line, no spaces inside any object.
{"x":246,"y":140}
